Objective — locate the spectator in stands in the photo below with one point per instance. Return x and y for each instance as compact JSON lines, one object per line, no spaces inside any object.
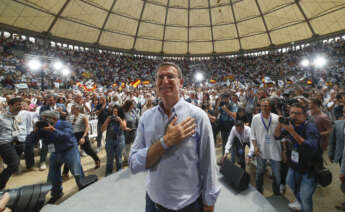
{"x":9,"y":131}
{"x":165,"y":149}
{"x":115,"y":124}
{"x":265,"y":145}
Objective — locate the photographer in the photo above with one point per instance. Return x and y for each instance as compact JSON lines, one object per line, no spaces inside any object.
{"x":300,"y":151}
{"x":226,"y":118}
{"x":115,"y":124}
{"x":63,"y":147}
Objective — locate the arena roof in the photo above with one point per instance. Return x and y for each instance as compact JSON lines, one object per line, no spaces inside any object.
{"x":176,"y":27}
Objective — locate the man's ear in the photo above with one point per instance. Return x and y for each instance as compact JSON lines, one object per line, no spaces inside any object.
{"x":181,"y":83}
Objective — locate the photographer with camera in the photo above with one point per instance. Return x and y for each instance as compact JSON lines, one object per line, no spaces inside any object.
{"x":115,"y":124}
{"x":300,"y":150}
{"x":63,"y":147}
{"x":226,"y":118}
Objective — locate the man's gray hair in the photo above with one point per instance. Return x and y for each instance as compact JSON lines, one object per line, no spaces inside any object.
{"x":51,"y":114}
{"x":179,"y":71}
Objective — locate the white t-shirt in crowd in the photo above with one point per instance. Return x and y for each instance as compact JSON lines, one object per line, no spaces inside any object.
{"x":269,"y":147}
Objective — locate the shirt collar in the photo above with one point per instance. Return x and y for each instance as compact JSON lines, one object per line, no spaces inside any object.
{"x":176,"y":107}
{"x":57,"y":124}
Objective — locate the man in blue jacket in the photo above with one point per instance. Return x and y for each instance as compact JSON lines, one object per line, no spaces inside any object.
{"x":64,"y":149}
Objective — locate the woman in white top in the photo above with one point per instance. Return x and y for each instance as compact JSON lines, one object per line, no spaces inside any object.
{"x":80,"y":124}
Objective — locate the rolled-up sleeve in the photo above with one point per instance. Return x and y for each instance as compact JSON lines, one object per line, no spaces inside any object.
{"x":210,"y":185}
{"x":138,"y":154}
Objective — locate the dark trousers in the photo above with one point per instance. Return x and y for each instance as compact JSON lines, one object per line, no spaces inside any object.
{"x":225,"y":134}
{"x":99,"y":135}
{"x":86,"y":146}
{"x":20,"y":147}
{"x":283,"y":172}
{"x":10,"y":157}
{"x":44,"y":152}
{"x":30,"y":142}
{"x":153,"y":207}
{"x":238,"y":153}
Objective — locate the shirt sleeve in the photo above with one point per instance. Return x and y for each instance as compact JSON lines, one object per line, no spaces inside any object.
{"x":208,"y":169}
{"x":230,"y":140}
{"x":252,"y":130}
{"x":138,"y":154}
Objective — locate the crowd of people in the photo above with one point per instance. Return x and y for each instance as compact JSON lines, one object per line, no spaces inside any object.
{"x":107,"y":68}
{"x":288,"y":127}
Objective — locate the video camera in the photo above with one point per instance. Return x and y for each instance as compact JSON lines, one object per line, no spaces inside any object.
{"x":285,"y":120}
{"x":41,"y":124}
{"x":27,"y":198}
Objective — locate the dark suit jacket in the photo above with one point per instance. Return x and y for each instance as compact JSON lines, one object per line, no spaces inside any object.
{"x":336,"y":142}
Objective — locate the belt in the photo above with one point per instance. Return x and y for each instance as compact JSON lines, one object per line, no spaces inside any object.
{"x":160,"y":207}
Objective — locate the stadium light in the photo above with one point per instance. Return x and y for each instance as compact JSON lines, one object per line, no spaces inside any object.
{"x":320,"y":61}
{"x":34,"y":64}
{"x":199,"y":77}
{"x":305,"y":63}
{"x":57,"y":65}
{"x":65,"y":72}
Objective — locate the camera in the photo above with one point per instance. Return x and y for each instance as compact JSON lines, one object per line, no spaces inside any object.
{"x":284,"y":120}
{"x":41,"y":124}
{"x":27,"y":198}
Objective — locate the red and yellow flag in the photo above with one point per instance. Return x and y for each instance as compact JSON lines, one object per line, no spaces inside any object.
{"x":213,"y":81}
{"x":136,"y":83}
{"x":145,"y":82}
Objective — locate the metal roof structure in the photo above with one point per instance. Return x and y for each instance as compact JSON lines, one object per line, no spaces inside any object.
{"x":176,"y":27}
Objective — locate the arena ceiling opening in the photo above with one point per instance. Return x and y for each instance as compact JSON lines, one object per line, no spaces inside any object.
{"x":177,"y":27}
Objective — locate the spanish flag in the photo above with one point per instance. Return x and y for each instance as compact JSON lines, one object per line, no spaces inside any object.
{"x":309,"y":82}
{"x":213,"y":81}
{"x":136,"y":83}
{"x":146,"y":82}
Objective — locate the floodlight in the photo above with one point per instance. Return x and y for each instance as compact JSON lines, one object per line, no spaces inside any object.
{"x":320,"y":61}
{"x":66,"y":72}
{"x":305,"y":63}
{"x":199,"y":77}
{"x":57,"y":65}
{"x":34,"y":65}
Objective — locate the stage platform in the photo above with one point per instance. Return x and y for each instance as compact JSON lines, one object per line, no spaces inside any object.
{"x":124,"y":191}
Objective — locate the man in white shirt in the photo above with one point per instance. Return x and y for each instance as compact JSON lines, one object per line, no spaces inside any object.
{"x":238,"y":139}
{"x":265,"y":146}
